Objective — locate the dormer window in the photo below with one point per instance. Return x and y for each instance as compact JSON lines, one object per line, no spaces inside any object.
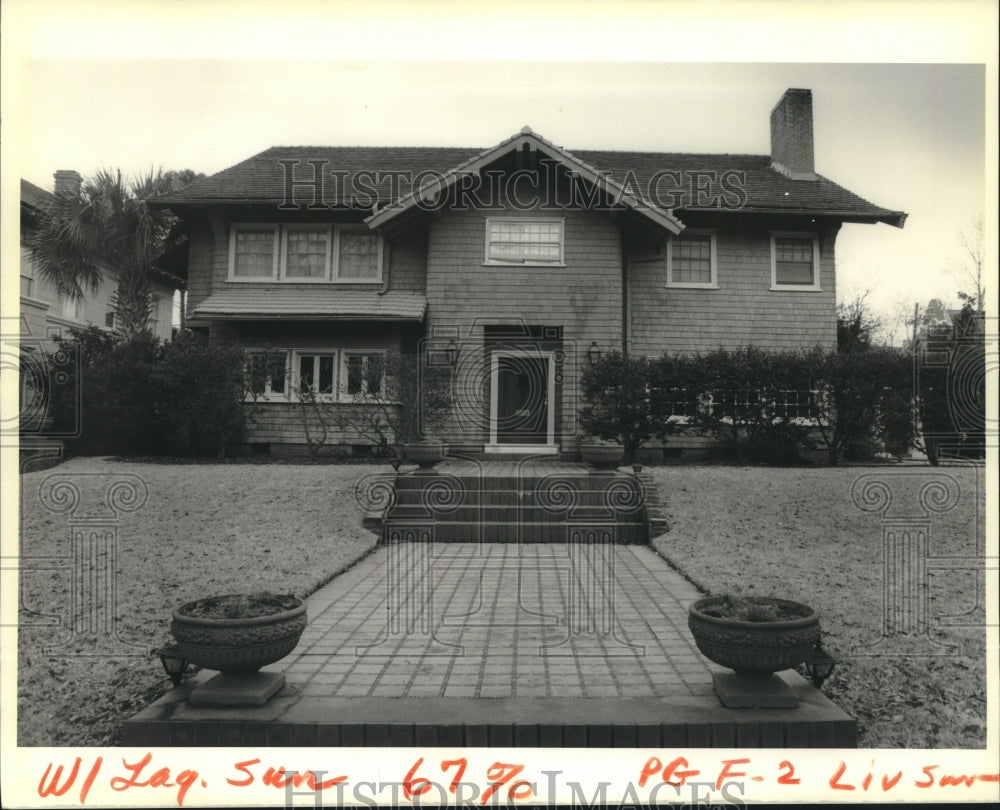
{"x":305,"y":254}
{"x":524,"y":240}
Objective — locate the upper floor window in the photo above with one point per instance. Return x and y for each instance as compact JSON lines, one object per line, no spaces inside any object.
{"x":524,"y":241}
{"x":74,"y":309}
{"x":794,"y":261}
{"x":691,"y":260}
{"x":304,"y":253}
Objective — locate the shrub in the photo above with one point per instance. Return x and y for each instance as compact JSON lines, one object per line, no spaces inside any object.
{"x":951,"y":369}
{"x":138,"y":397}
{"x":117,"y":394}
{"x":199,"y":396}
{"x":754,"y":401}
{"x":411,"y":401}
{"x":867,"y":401}
{"x":624,"y":403}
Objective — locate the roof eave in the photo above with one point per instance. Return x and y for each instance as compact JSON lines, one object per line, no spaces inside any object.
{"x":895,"y":218}
{"x":207,"y":317}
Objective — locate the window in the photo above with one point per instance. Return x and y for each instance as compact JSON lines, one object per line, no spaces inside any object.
{"x":358,"y":255}
{"x":316,"y":374}
{"x":110,"y":319}
{"x":794,"y":262}
{"x":524,"y":241}
{"x":254,"y":252}
{"x":74,"y":309}
{"x":305,"y":253}
{"x":363,"y":374}
{"x":691,"y":260}
{"x":330,"y":375}
{"x":267,"y":373}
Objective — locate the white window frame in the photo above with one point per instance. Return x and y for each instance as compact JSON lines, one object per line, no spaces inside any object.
{"x":257,"y":226}
{"x":279,"y":268}
{"x":487,"y":260}
{"x":268,"y":395}
{"x":344,"y":355}
{"x":283,"y":258}
{"x":713,"y":284}
{"x":295,"y":377}
{"x":775,"y":286}
{"x":335,"y":258}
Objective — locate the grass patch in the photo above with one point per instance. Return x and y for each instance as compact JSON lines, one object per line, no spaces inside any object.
{"x":797,"y":534}
{"x":204,"y":530}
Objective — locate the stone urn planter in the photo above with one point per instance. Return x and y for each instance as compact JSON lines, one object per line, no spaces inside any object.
{"x":424,"y":454}
{"x":755,"y":636}
{"x":602,"y":455}
{"x":238,"y":634}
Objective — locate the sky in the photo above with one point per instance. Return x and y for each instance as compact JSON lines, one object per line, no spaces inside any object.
{"x":907,"y":136}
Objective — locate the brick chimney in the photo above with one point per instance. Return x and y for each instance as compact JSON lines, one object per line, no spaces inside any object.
{"x":68,"y":183}
{"x":792,"y":135}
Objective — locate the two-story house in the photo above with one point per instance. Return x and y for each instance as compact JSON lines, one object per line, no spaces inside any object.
{"x":516,"y":265}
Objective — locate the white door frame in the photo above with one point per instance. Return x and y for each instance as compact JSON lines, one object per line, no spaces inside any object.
{"x":550,"y":446}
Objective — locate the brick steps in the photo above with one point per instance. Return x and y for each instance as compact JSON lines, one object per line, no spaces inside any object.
{"x":518,"y":503}
{"x":514,"y":532}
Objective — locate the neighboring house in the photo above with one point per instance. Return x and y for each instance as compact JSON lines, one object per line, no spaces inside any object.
{"x":44,"y":313}
{"x":517,"y":264}
{"x":937,"y":317}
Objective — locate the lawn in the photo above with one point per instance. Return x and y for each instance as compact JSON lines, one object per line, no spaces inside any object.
{"x":797,"y":533}
{"x":219,"y":528}
{"x":204,"y":529}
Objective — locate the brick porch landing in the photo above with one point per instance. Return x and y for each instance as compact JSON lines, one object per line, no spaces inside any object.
{"x":498,"y":644}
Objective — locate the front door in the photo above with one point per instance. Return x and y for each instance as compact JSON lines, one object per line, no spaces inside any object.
{"x":521,"y":411}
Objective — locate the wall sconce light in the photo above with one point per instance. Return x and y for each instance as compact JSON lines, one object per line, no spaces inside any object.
{"x":452,"y":353}
{"x":820,"y":665}
{"x":174,"y":664}
{"x":594,"y":353}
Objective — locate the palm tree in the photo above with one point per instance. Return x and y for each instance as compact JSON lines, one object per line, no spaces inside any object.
{"x":107,"y":227}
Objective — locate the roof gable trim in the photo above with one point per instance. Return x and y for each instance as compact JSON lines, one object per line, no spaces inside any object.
{"x":432,"y":190}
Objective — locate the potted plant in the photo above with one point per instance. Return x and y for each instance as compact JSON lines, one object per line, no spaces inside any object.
{"x":754,"y":635}
{"x":425,"y":454}
{"x":601,"y":453}
{"x":238,"y":634}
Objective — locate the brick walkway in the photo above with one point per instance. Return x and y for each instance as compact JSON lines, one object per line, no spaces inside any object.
{"x":497,"y":644}
{"x":500,"y":620}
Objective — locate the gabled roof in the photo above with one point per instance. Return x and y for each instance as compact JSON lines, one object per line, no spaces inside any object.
{"x":311,"y":304}
{"x":261,"y":179}
{"x":527,"y":138}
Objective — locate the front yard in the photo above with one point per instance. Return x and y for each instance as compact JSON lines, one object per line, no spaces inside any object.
{"x":205,"y":529}
{"x":797,"y":533}
{"x":220,"y":528}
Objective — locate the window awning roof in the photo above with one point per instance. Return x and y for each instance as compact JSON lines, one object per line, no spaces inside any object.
{"x":241,"y":303}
